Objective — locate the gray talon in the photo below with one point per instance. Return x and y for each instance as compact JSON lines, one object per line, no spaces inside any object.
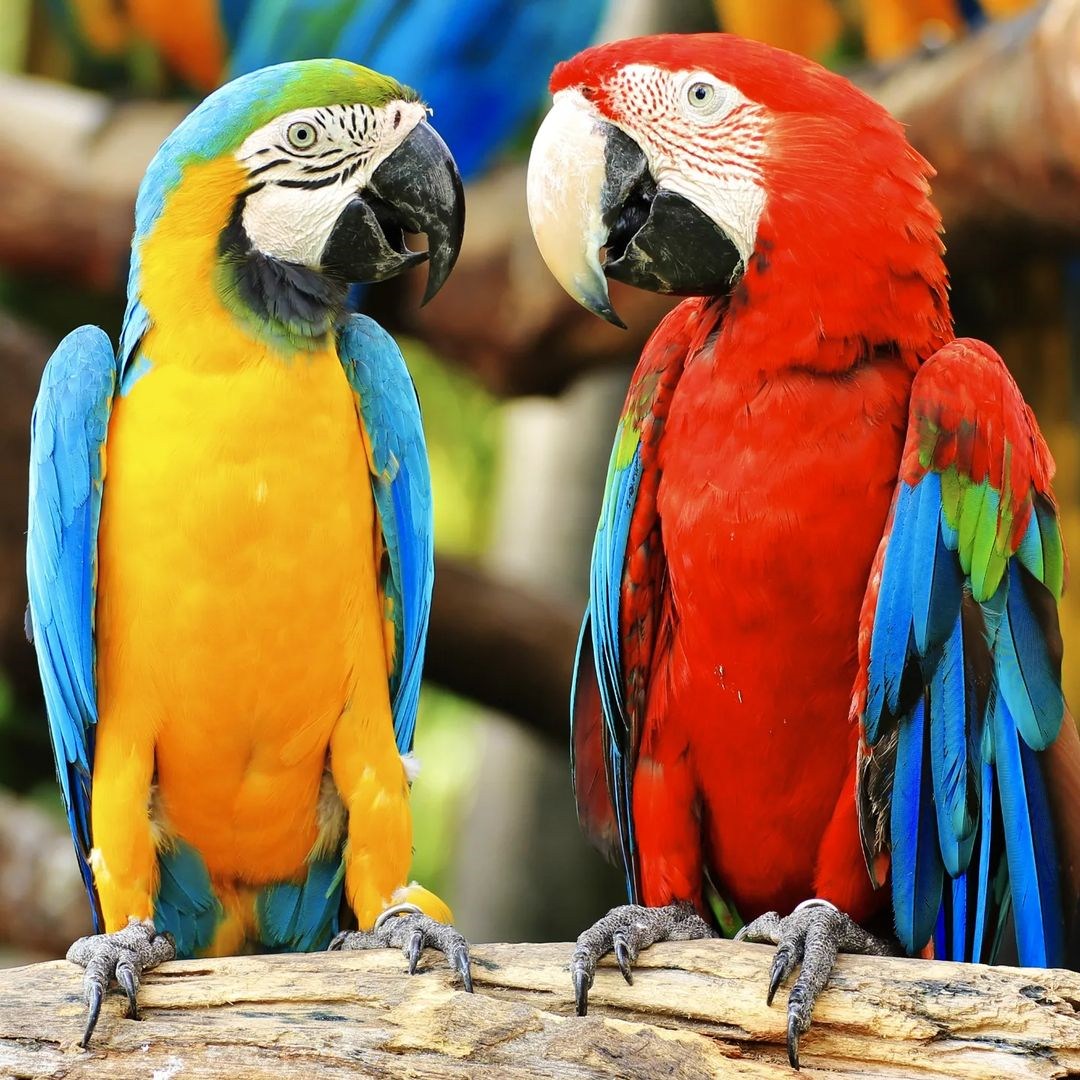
{"x":811,"y":935}
{"x":123,"y":956}
{"x":412,"y":933}
{"x":623,"y":957}
{"x":416,"y":947}
{"x":582,"y":983}
{"x":625,"y":931}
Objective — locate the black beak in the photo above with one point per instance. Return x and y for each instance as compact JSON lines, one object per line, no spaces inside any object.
{"x":417,"y":189}
{"x":659,"y":240}
{"x":597,"y":213}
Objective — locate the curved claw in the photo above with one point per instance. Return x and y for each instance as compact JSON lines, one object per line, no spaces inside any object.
{"x":625,"y":931}
{"x":129,"y":983}
{"x":122,"y":955}
{"x":412,"y":932}
{"x":416,"y":947}
{"x":623,"y":958}
{"x":811,"y":935}
{"x":793,"y":1033}
{"x":782,"y":965}
{"x":95,"y":995}
{"x":464,"y":970}
{"x":582,"y":985}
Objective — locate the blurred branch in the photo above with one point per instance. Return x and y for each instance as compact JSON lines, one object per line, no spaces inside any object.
{"x":997,"y":113}
{"x":502,"y":645}
{"x":70,"y":165}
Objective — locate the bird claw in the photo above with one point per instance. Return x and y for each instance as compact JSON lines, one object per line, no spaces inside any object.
{"x":123,"y":956}
{"x":811,"y":935}
{"x":625,"y":931}
{"x":411,"y":931}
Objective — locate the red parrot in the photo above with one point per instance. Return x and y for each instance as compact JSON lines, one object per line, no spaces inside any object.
{"x":821,"y":652}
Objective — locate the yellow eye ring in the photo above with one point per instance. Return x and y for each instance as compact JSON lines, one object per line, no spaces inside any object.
{"x":301,"y":135}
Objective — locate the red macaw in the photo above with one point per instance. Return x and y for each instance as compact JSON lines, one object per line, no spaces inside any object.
{"x":821,"y":650}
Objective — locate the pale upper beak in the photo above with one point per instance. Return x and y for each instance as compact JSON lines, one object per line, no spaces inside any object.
{"x":589,"y":188}
{"x":567,"y":173}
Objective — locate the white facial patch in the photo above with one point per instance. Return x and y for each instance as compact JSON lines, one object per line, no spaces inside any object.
{"x":307,"y":165}
{"x":703,"y":139}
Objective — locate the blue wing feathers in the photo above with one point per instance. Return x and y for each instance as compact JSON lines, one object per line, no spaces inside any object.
{"x":388,"y":409}
{"x":185,"y":904}
{"x":1029,"y":845}
{"x":968,"y":794}
{"x":917,"y":872}
{"x":609,"y":555}
{"x":1024,"y":672}
{"x":982,"y":877}
{"x":69,"y":426}
{"x":893,"y":624}
{"x":950,"y":749}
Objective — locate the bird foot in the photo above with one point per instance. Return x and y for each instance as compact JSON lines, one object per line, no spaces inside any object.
{"x":811,"y":935}
{"x":123,"y":956}
{"x":625,"y":931}
{"x":406,"y":927}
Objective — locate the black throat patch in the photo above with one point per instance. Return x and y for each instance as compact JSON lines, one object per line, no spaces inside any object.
{"x":285,"y":300}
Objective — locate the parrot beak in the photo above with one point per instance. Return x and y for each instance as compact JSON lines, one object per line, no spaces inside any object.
{"x":589,"y":188}
{"x":417,"y":189}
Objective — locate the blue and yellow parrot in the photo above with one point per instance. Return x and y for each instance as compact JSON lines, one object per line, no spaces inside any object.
{"x":230,"y":539}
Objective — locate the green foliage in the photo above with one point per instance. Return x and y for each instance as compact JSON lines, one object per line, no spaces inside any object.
{"x":461,"y":424}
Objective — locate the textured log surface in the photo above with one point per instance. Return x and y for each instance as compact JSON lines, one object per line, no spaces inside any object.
{"x":695,"y":1009}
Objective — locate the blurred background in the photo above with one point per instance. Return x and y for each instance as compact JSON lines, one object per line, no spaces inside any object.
{"x":520,"y":388}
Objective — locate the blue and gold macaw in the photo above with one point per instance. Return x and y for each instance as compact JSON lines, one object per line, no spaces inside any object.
{"x":230,"y":538}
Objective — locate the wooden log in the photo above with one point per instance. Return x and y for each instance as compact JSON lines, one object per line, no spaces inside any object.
{"x":695,"y":1009}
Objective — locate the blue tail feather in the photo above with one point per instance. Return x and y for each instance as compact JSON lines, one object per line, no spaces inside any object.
{"x":1029,"y":845}
{"x":301,"y":916}
{"x":917,"y":872}
{"x":950,"y":748}
{"x":186,"y":905}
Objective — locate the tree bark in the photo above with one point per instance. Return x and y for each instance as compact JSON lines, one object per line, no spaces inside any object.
{"x":998,"y":115}
{"x":695,"y":1009}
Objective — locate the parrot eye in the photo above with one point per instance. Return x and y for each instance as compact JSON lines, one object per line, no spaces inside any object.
{"x":301,"y":135}
{"x":701,"y":94}
{"x":704,"y":97}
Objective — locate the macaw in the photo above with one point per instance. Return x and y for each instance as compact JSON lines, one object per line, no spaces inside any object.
{"x":820,"y":663}
{"x":229,"y":551}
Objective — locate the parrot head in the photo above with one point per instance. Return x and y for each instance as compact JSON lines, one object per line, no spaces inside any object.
{"x":684,"y":164}
{"x":296,"y":181}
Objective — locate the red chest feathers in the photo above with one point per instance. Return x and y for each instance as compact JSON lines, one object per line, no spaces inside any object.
{"x":773,"y":497}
